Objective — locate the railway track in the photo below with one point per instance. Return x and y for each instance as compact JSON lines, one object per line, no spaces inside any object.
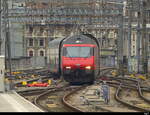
{"x":38,"y":74}
{"x":141,"y":93}
{"x":138,"y":101}
{"x":52,"y":91}
{"x":69,"y":105}
{"x":51,"y":100}
{"x":28,"y":76}
{"x":42,"y":78}
{"x":49,"y":105}
{"x":133,"y":102}
{"x":57,"y":99}
{"x":95,"y":104}
{"x":67,"y":96}
{"x":127,"y":83}
{"x":35,"y":93}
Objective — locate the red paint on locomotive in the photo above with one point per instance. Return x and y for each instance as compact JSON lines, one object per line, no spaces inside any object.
{"x":78,"y":62}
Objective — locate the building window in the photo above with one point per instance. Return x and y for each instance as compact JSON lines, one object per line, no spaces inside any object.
{"x":133,"y":52}
{"x":133,"y":37}
{"x":41,"y":42}
{"x":31,"y":53}
{"x":31,"y":42}
{"x":42,"y":53}
{"x":30,"y":29}
{"x":41,"y":30}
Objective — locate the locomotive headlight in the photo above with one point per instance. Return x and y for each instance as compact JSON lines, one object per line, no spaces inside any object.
{"x":68,"y":67}
{"x":88,"y":67}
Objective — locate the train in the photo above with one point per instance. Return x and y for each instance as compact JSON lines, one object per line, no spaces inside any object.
{"x":75,"y":58}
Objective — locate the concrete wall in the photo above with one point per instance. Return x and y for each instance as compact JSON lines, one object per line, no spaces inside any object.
{"x":16,"y":37}
{"x":20,"y":64}
{"x":38,"y":61}
{"x":108,"y":61}
{"x":27,"y":63}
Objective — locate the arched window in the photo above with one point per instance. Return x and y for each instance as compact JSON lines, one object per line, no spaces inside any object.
{"x":31,"y":53}
{"x":41,"y":53}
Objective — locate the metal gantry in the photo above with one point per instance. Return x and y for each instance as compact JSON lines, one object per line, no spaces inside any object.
{"x":138,"y":15}
{"x":62,"y":12}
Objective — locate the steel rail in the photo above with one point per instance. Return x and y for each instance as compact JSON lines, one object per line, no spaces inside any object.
{"x":65,"y":98}
{"x":38,"y":98}
{"x":126,"y":103}
{"x":141,"y":94}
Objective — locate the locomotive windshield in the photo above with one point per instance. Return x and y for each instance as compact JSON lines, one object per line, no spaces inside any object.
{"x":84,"y":52}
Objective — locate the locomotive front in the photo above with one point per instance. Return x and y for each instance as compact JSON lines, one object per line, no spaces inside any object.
{"x":78,"y":60}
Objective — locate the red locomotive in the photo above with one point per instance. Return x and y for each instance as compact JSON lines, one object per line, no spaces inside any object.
{"x":75,"y":58}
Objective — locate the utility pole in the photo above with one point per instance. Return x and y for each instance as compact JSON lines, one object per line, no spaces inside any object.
{"x":144,"y":40}
{"x":138,"y":36}
{"x":129,"y":34}
{"x":0,"y":27}
{"x":6,"y":35}
{"x":120,"y":45}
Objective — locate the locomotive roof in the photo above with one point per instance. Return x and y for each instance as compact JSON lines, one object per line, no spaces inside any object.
{"x":85,"y":38}
{"x":55,"y":41}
